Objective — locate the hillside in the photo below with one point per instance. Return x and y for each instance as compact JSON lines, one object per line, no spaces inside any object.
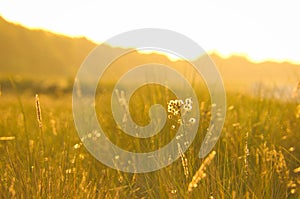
{"x":47,"y":57}
{"x":238,"y":71}
{"x":39,"y":53}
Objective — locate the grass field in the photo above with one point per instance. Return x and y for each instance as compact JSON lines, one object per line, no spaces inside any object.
{"x":257,"y":155}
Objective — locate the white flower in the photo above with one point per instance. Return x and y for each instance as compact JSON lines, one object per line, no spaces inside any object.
{"x":192,"y":120}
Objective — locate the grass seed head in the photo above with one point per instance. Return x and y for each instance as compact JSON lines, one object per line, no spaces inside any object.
{"x":38,"y":110}
{"x":200,"y":174}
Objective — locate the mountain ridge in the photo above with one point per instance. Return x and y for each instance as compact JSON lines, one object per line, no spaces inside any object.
{"x":35,"y":53}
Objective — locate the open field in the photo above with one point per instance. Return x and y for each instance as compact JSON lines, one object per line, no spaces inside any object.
{"x":257,"y":155}
{"x":42,"y":156}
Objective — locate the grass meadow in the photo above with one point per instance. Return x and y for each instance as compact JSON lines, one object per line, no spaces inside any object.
{"x":257,"y":155}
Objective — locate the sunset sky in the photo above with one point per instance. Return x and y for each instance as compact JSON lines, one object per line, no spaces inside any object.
{"x":258,"y":29}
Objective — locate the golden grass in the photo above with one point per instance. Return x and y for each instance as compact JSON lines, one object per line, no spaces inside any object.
{"x":257,"y":155}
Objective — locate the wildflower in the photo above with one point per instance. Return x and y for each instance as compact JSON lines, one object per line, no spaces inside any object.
{"x":192,"y":120}
{"x":175,"y":106}
{"x":187,"y":107}
{"x":188,"y":101}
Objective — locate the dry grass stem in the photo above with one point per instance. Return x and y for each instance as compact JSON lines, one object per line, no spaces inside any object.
{"x":184,"y":161}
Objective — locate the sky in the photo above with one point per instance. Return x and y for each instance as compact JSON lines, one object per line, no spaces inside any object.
{"x":260,"y":30}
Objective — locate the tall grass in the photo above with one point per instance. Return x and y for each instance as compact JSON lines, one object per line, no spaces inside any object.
{"x":257,"y":155}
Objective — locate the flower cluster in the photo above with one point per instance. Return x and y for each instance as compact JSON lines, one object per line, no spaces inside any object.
{"x":188,"y":104}
{"x":175,"y":106}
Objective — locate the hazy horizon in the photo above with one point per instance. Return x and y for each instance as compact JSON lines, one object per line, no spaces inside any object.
{"x":169,"y":55}
{"x":224,"y":27}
